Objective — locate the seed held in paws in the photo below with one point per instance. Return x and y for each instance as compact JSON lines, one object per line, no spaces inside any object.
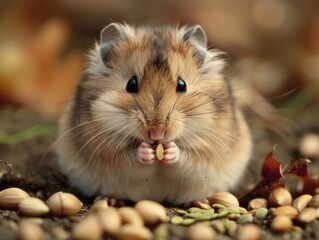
{"x":159,"y":151}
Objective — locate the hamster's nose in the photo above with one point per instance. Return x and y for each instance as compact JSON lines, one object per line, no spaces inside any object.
{"x":156,"y":133}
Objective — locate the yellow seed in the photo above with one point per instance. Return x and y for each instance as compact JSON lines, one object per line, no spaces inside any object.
{"x":159,"y":151}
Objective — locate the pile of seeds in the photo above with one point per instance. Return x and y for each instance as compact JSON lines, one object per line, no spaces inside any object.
{"x":221,"y":214}
{"x":224,"y":215}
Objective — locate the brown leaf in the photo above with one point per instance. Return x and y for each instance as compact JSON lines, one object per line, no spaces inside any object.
{"x":271,"y":171}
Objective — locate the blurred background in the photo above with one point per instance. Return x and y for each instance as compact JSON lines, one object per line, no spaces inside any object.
{"x":274,"y":45}
{"x":43,"y":44}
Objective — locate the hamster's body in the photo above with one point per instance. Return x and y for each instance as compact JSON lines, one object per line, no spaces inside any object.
{"x":153,"y":85}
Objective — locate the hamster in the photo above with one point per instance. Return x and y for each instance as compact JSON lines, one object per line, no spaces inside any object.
{"x":149,"y":85}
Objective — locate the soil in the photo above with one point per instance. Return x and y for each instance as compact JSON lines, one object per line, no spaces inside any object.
{"x":32,"y":167}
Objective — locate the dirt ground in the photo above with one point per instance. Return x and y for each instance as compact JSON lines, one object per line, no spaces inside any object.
{"x":34,"y":170}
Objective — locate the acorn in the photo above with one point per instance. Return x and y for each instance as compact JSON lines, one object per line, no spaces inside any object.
{"x":33,"y":207}
{"x":224,"y":198}
{"x":64,"y":204}
{"x":279,"y":197}
{"x":11,"y":197}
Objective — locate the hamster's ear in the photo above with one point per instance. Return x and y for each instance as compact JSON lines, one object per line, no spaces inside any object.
{"x":197,"y":38}
{"x":109,"y":35}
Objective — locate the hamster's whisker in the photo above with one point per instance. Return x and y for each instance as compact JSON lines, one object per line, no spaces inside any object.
{"x":96,"y":136}
{"x":216,"y":137}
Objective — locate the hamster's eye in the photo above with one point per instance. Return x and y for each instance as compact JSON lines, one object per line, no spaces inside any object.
{"x":181,"y":86}
{"x":132,"y":86}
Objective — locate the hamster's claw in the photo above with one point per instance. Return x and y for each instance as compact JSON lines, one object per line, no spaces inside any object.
{"x":145,"y":153}
{"x":111,"y":202}
{"x":171,"y":153}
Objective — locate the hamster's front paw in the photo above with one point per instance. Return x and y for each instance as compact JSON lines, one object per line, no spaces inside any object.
{"x":111,"y":202}
{"x":171,"y":153}
{"x":145,"y":153}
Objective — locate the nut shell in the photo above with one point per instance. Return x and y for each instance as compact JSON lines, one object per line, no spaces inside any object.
{"x":11,"y":197}
{"x":302,"y":201}
{"x":63,"y":204}
{"x":280,"y":197}
{"x":33,"y":207}
{"x":224,"y":198}
{"x":151,"y":212}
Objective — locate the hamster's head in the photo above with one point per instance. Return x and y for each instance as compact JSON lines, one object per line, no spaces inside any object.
{"x":159,"y":84}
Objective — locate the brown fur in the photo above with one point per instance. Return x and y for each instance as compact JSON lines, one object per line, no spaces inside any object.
{"x":109,"y":123}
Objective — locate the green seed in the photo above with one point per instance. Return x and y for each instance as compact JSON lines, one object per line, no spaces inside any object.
{"x":195,"y":209}
{"x":261,"y":213}
{"x":188,"y":221}
{"x":195,"y":215}
{"x":223,"y":213}
{"x":218,"y":206}
{"x":181,"y":211}
{"x":230,"y":226}
{"x":246,"y":218}
{"x":234,"y":216}
{"x":161,"y":232}
{"x":177,"y":220}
